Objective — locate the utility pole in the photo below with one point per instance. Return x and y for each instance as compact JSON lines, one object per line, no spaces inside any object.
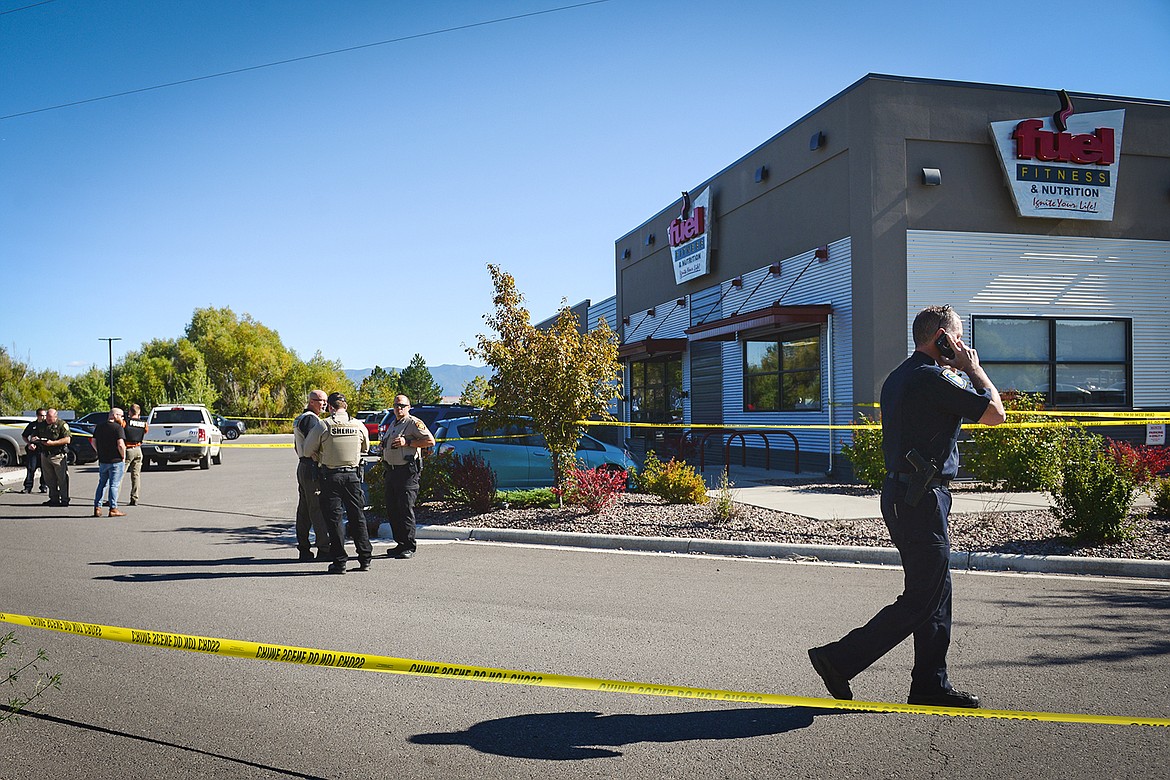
{"x":111,"y":341}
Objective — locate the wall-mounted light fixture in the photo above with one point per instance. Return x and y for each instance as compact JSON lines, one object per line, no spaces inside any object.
{"x":650,"y":312}
{"x":681,"y":301}
{"x":625,"y":320}
{"x":650,"y":240}
{"x":737,"y":281}
{"x":761,"y":174}
{"x":626,"y":254}
{"x":931,"y":177}
{"x":774,"y":269}
{"x":816,"y":141}
{"x":821,"y":253}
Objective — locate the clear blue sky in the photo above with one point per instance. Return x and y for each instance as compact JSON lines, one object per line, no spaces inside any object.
{"x":351,"y":201}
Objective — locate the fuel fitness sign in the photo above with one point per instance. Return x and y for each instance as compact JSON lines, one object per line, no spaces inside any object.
{"x":690,"y":238}
{"x":1062,"y":166}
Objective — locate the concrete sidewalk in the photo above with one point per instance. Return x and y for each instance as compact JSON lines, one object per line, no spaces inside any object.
{"x":813,"y":495}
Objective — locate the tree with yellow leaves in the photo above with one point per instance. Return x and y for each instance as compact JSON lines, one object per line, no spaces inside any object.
{"x":556,"y":377}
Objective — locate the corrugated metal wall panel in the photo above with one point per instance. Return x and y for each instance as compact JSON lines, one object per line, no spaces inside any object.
{"x":1051,"y":276}
{"x":670,"y":321}
{"x":802,"y":280}
{"x":703,"y":367}
{"x":606,"y":309}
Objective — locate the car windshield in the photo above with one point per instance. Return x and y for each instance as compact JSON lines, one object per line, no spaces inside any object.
{"x":164,"y":416}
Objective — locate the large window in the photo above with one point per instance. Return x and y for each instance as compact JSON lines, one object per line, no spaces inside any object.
{"x":783,"y":375}
{"x":1072,"y":362}
{"x":656,"y":390}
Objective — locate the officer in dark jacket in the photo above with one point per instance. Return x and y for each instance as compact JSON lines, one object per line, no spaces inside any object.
{"x":32,"y":458}
{"x":52,"y":439}
{"x":923,"y":402}
{"x":338,"y":447}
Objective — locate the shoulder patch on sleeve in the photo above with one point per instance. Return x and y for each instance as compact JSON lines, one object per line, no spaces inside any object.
{"x":954,"y":377}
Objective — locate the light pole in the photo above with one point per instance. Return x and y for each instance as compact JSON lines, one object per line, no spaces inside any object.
{"x":111,"y":341}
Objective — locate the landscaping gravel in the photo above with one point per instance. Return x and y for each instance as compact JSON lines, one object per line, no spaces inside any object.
{"x":1034,"y":532}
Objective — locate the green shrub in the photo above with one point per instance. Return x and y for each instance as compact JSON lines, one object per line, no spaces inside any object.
{"x":1161,"y":492}
{"x":1018,"y":458}
{"x":538,"y":498}
{"x":675,"y":481}
{"x":435,"y":482}
{"x":1095,"y":493}
{"x":865,"y":453}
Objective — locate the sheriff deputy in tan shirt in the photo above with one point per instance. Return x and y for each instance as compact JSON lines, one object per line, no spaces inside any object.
{"x":402,"y":446}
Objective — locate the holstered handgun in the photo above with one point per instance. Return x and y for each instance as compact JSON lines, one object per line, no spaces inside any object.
{"x":924,"y":472}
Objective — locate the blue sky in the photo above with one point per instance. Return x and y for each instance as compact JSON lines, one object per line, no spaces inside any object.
{"x":352,"y":201}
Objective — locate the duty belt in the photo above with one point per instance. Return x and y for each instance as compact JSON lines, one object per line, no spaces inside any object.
{"x":339,"y":469}
{"x":903,"y":477}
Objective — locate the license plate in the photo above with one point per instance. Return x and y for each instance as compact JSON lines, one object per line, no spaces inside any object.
{"x":166,"y":449}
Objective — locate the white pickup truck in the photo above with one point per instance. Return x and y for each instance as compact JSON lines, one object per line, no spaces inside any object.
{"x":181,"y":432}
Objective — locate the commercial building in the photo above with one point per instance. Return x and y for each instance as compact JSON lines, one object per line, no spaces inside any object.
{"x":779,"y":291}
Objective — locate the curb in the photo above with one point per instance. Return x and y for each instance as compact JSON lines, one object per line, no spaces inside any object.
{"x":884,"y":556}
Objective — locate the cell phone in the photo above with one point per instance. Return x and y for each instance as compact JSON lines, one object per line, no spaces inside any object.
{"x":943,"y":343}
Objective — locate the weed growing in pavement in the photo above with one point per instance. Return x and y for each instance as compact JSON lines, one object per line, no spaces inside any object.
{"x":44,"y":681}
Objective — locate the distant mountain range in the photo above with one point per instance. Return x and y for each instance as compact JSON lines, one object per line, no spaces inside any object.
{"x":449,"y":377}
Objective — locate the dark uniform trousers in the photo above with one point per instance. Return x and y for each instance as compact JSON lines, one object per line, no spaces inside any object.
{"x":401,"y":491}
{"x":924,"y":608}
{"x":309,"y":511}
{"x":55,"y":470}
{"x":341,"y":489}
{"x":32,"y":462}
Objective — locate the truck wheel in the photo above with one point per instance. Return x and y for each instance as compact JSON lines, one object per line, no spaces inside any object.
{"x":7,"y":454}
{"x":205,"y":461}
{"x":231,"y":433}
{"x":217,"y":458}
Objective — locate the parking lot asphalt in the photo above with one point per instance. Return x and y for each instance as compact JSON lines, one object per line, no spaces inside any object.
{"x":804,"y":495}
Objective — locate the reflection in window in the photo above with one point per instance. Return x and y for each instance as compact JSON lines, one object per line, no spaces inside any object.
{"x":783,"y":374}
{"x":656,"y":390}
{"x":1072,"y":362}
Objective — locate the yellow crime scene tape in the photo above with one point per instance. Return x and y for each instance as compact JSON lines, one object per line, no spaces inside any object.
{"x":339,"y":659}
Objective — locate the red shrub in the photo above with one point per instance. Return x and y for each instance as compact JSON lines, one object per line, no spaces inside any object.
{"x":1143,"y":462}
{"x":595,"y":489}
{"x":474,"y":480}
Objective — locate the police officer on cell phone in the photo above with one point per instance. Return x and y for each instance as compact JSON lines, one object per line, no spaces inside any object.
{"x":923,"y":404}
{"x":338,"y":447}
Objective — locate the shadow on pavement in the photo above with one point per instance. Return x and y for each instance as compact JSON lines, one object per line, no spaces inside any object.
{"x":177,"y":563}
{"x":569,"y":736}
{"x":164,"y":743}
{"x":181,"y":576}
{"x":1124,"y":625}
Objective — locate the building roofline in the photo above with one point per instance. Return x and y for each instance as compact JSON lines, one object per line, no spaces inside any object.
{"x":886,"y":77}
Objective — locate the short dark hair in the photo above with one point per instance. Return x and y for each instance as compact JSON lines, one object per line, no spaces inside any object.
{"x":930,"y":319}
{"x":336,"y":400}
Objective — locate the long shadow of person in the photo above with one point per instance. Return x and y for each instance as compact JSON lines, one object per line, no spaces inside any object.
{"x":568,"y":736}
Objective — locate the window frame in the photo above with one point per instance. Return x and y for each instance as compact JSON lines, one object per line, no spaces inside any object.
{"x":1053,"y":363}
{"x":780,"y":339}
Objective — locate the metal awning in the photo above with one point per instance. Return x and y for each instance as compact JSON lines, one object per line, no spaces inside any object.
{"x":772,"y":318}
{"x":648,"y":348}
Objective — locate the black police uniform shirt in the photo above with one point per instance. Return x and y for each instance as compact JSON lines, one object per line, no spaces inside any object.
{"x":135,"y":430}
{"x":923,"y":406}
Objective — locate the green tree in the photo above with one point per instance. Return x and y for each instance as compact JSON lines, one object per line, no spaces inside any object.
{"x":246,"y":362}
{"x":164,"y":371}
{"x":377,"y":390}
{"x":557,"y":377}
{"x":90,"y":392}
{"x":22,"y":389}
{"x":318,"y":373}
{"x":417,"y":384}
{"x":477,"y":392}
